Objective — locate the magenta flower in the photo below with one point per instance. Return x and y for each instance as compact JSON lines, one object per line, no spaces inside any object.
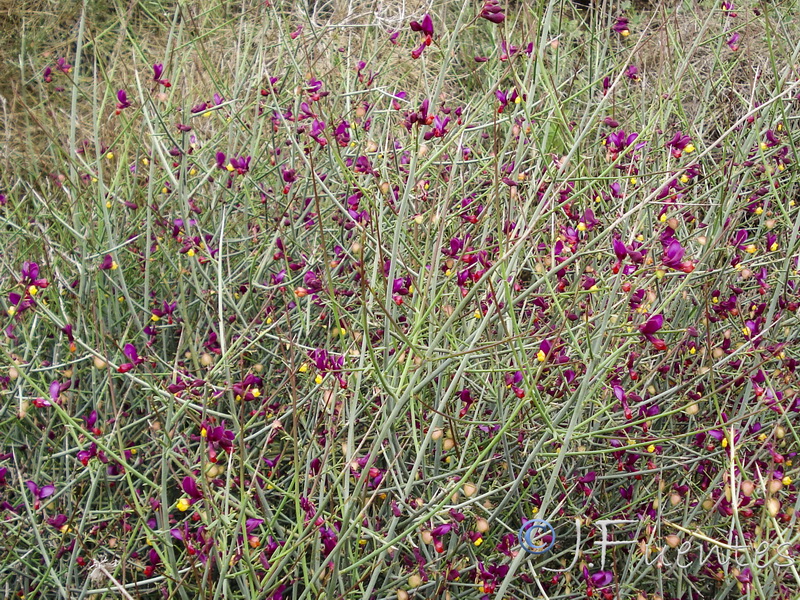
{"x":315,"y":91}
{"x":619,"y":141}
{"x":439,"y":128}
{"x":733,"y":41}
{"x":30,"y":274}
{"x":123,"y":102}
{"x":680,"y":143}
{"x":437,"y":533}
{"x":218,"y":438}
{"x":317,"y":129}
{"x":512,"y":97}
{"x":167,"y":310}
{"x":673,"y":255}
{"x":57,"y":388}
{"x":64,"y":66}
{"x":653,"y":324}
{"x":493,"y":12}
{"x":59,"y":522}
{"x":241,"y":164}
{"x":398,"y":96}
{"x":426,"y":28}
{"x":632,"y":72}
{"x":466,"y":397}
{"x":189,"y":486}
{"x":620,"y":26}
{"x":107,"y":263}
{"x":599,"y":579}
{"x":39,"y":493}
{"x":248,"y":388}
{"x":41,"y":402}
{"x":342,"y":133}
{"x":158,"y":70}
{"x":133,"y":356}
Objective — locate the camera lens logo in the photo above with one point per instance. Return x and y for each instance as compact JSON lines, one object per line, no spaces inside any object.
{"x":537,"y":536}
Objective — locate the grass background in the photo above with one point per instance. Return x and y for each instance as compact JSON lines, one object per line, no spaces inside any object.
{"x":348,"y":482}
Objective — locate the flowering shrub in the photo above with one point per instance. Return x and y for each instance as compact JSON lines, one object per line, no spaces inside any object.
{"x":294,"y":311}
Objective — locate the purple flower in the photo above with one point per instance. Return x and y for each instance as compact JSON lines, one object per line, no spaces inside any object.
{"x":680,"y":143}
{"x":59,"y":522}
{"x":618,"y":140}
{"x":493,"y":12}
{"x":650,"y":327}
{"x":133,"y":356}
{"x":64,"y":66}
{"x":620,"y":26}
{"x":241,"y":164}
{"x":39,"y":493}
{"x":123,"y":103}
{"x":620,"y":251}
{"x":220,"y":157}
{"x":733,"y":42}
{"x":673,"y":255}
{"x":652,"y":324}
{"x":30,"y":271}
{"x":317,"y":129}
{"x":425,"y":26}
{"x":189,"y":486}
{"x":158,"y":71}
{"x":107,"y":263}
